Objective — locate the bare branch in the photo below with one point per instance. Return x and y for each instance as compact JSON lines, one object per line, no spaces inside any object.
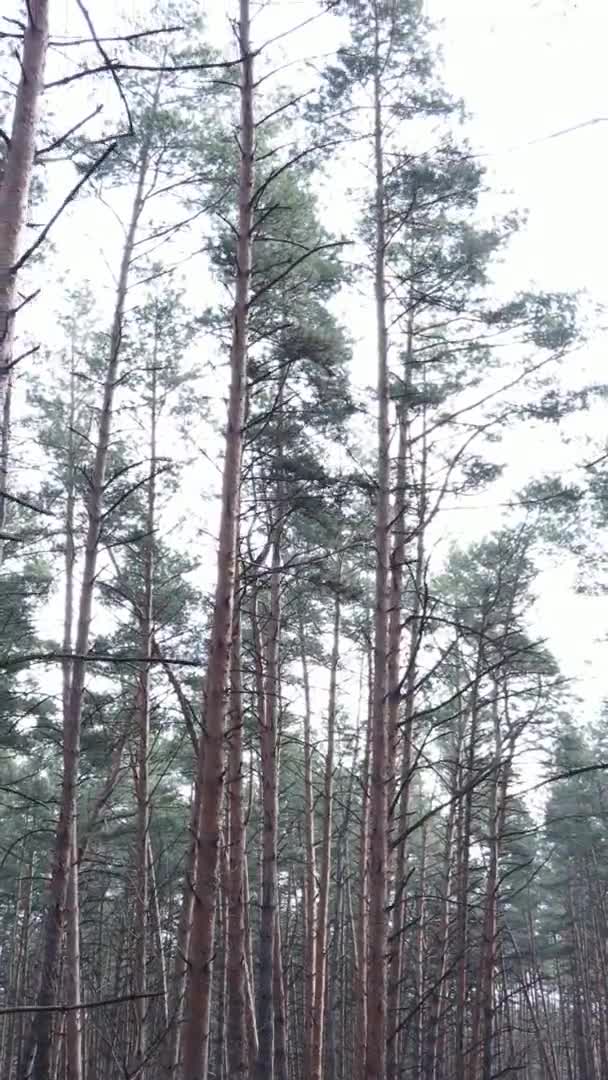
{"x":94,"y":658}
{"x":68,"y":199}
{"x":13,"y":1009}
{"x":121,"y":65}
{"x":108,"y":62}
{"x":62,"y":138}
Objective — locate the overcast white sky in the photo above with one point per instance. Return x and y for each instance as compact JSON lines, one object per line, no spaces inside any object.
{"x":527,"y":69}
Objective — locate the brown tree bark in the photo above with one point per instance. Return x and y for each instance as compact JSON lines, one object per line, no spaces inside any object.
{"x":250,"y":1011}
{"x":74,"y":1018}
{"x":543,"y":1037}
{"x":280,"y":1009}
{"x":211,"y":757}
{"x":402,"y":795}
{"x":18,"y":966}
{"x":155,"y":906}
{"x":397,"y":564}
{"x":309,"y":870}
{"x":376,"y":975}
{"x":325,"y":869}
{"x":487,"y":964}
{"x":462,"y":1051}
{"x":55,"y":914}
{"x":437,"y":1033}
{"x":219,"y":1064}
{"x":268,"y":697}
{"x":172,"y":1049}
{"x":419,"y":961}
{"x":73,"y":990}
{"x":24,"y":953}
{"x":15,"y":187}
{"x":142,"y":711}
{"x":363,"y":913}
{"x":236,"y":961}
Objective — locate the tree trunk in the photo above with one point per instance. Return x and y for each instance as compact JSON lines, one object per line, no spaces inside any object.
{"x":236,"y":961}
{"x":74,"y":1018}
{"x":42,"y":1023}
{"x":280,"y":1009}
{"x":24,"y":952}
{"x":158,"y":933}
{"x":171,"y":1055}
{"x":268,"y":709}
{"x":437,"y":1035}
{"x":419,"y":957}
{"x":398,"y":557}
{"x":310,"y":871}
{"x":401,"y":798}
{"x":464,"y":844}
{"x":396,"y":789}
{"x":490,"y":926}
{"x":363,"y":920}
{"x":376,"y":974}
{"x":218,"y":1066}
{"x":15,"y":187}
{"x":211,"y":756}
{"x":322,"y":915}
{"x":18,"y":967}
{"x":5,"y":447}
{"x":250,"y":1012}
{"x":142,"y":795}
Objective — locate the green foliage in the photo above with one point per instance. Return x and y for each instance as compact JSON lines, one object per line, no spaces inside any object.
{"x":549,"y":320}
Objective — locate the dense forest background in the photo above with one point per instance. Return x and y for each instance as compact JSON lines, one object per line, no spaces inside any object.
{"x":297,"y":780}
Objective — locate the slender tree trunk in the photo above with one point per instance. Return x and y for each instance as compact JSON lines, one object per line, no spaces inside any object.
{"x":490,"y":927}
{"x":15,"y":187}
{"x":211,"y":758}
{"x":402,"y":798}
{"x":600,"y":938}
{"x":24,"y":951}
{"x":582,"y":1042}
{"x":250,"y":1024}
{"x":322,"y":916}
{"x":236,"y":963}
{"x":398,"y":557}
{"x":349,"y":940}
{"x":250,"y":1011}
{"x":176,"y":998}
{"x":158,"y":933}
{"x":394,"y":703}
{"x":564,"y":1020}
{"x":310,"y":871}
{"x":16,"y":969}
{"x":437,"y":1033}
{"x":419,"y":955}
{"x":5,"y":447}
{"x":220,"y":1063}
{"x":363,"y":920}
{"x":42,"y":1023}
{"x":336,"y":985}
{"x":269,"y":754}
{"x":543,"y":1037}
{"x":74,"y":1018}
{"x":376,"y":974}
{"x":464,"y":844}
{"x":171,"y":1056}
{"x":142,"y":795}
{"x":280,"y":1009}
